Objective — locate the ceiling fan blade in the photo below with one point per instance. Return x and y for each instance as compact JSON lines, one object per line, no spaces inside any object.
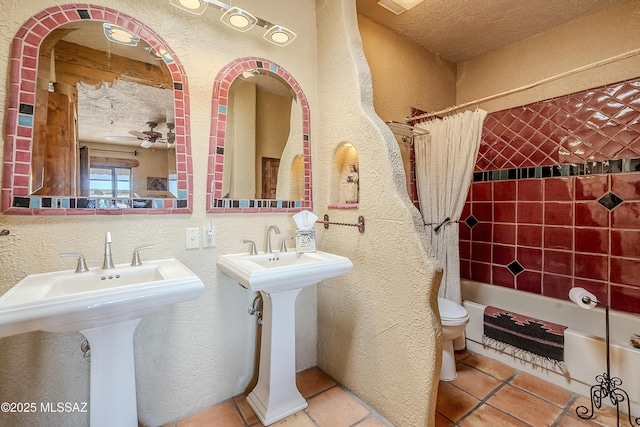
{"x":146,"y":143}
{"x":152,"y":134}
{"x":138,"y":134}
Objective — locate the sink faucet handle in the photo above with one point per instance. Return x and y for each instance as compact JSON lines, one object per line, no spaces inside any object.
{"x":82,"y":265}
{"x":253,"y":250}
{"x":283,"y":244}
{"x":136,"y":255}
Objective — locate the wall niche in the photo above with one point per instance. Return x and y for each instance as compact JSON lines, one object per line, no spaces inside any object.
{"x":345,"y":179}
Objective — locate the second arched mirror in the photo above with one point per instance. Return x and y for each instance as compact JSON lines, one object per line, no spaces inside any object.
{"x":260,"y":157}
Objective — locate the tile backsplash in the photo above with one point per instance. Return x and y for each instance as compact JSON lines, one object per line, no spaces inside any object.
{"x":555,"y":200}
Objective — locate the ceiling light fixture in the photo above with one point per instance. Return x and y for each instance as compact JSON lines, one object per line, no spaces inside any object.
{"x":196,"y":7}
{"x":279,"y":35}
{"x":117,"y":34}
{"x":239,"y":19}
{"x":399,"y":6}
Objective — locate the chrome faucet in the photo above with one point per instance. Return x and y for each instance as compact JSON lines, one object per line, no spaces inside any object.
{"x":136,"y":255}
{"x":108,"y":262}
{"x":82,"y":264}
{"x":268,"y":246}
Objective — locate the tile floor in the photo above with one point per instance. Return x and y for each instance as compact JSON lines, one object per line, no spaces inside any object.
{"x":330,"y":405}
{"x":489,"y":393}
{"x":486,"y":393}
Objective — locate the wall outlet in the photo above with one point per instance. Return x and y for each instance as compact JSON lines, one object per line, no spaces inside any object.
{"x":208,"y":237}
{"x":193,"y":238}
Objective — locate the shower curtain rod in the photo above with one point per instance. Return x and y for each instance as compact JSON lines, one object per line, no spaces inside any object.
{"x":529,"y":86}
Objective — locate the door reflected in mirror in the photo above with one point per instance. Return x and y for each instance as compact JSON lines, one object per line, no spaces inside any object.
{"x":261,"y":160}
{"x":264,"y":132}
{"x":105,"y":128}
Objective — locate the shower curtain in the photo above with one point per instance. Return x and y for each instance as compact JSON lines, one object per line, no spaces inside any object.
{"x":445,"y":160}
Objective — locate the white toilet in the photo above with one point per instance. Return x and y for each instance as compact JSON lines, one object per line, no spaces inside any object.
{"x":454,"y":318}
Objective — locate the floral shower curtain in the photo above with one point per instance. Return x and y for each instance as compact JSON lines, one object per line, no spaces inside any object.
{"x":445,"y":160}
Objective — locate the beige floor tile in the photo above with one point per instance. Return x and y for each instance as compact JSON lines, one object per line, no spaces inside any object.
{"x":487,"y":415}
{"x":223,"y":415}
{"x":245,"y":410}
{"x":525,"y":406}
{"x":454,"y":403}
{"x":541,"y":388}
{"x":475,"y":382}
{"x":489,"y":366}
{"x":372,"y":422}
{"x":335,"y":408}
{"x":299,"y":419}
{"x":313,"y":381}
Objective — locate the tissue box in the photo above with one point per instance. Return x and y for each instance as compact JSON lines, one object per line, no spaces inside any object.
{"x":305,"y":241}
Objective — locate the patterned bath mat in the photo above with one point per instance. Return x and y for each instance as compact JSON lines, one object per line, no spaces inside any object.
{"x":534,"y":340}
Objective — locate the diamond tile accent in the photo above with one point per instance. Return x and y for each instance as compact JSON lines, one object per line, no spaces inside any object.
{"x":593,"y":125}
{"x":515,"y":267}
{"x":471,"y":221}
{"x":610,"y":200}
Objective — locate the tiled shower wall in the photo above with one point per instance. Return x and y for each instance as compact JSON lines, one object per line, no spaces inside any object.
{"x":555,"y":201}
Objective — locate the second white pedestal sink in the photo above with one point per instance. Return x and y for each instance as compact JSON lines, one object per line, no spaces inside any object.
{"x":279,"y":277}
{"x":105,"y":306}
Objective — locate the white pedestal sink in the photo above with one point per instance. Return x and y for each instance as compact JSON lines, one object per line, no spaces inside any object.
{"x":105,"y":306}
{"x":279,"y":277}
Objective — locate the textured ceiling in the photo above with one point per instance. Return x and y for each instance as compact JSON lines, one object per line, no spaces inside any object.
{"x":459,"y":30}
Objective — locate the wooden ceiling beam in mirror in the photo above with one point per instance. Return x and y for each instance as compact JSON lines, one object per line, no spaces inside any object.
{"x":114,"y":162}
{"x":79,"y":63}
{"x":21,"y":106}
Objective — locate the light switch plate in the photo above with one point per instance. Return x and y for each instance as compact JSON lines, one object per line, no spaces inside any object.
{"x":193,"y":238}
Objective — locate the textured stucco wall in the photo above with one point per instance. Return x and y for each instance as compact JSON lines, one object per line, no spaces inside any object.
{"x":195,"y":354}
{"x":584,"y":41}
{"x":404,"y":74}
{"x":378,"y":333}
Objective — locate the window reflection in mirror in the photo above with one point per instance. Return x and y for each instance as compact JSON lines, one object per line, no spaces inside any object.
{"x":93,"y":119}
{"x":260,"y":153}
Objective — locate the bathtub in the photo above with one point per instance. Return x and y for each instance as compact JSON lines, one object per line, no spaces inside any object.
{"x":584,"y":347}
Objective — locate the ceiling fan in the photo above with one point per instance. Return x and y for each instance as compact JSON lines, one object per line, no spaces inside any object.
{"x":150,"y":137}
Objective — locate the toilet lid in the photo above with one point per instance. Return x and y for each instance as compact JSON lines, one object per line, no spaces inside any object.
{"x":451,"y":310}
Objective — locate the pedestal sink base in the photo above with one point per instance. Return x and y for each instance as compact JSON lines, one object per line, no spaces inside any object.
{"x":269,"y":416}
{"x":279,"y":276}
{"x":276,"y":395}
{"x":113,"y":377}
